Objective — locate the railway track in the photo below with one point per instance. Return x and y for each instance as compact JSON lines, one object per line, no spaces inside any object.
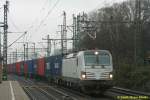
{"x":117,"y":92}
{"x":129,"y":92}
{"x":58,"y":95}
{"x":53,"y":92}
{"x":28,"y":92}
{"x":82,"y":96}
{"x":37,"y":94}
{"x":61,"y":93}
{"x":49,"y":91}
{"x":65,"y":93}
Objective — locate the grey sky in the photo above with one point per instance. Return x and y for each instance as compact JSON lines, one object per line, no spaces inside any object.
{"x":26,"y":15}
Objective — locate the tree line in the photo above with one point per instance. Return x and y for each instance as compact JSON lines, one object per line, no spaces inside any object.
{"x":123,"y":29}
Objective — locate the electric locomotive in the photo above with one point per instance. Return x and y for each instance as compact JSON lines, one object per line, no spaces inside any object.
{"x":91,"y":70}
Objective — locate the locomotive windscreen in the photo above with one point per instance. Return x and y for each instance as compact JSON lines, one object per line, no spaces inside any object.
{"x":96,"y":58}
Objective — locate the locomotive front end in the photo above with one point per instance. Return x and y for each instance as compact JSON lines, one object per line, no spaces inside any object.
{"x":97,"y":72}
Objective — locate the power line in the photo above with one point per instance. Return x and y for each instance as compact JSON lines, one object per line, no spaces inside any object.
{"x":15,"y":26}
{"x":42,"y":8}
{"x":49,"y":12}
{"x":42,"y":21}
{"x":36,"y":19}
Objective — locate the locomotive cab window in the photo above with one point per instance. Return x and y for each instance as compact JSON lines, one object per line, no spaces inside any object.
{"x":104,"y":59}
{"x":96,"y":58}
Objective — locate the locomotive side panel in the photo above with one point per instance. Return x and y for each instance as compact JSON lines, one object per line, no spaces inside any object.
{"x":69,"y":68}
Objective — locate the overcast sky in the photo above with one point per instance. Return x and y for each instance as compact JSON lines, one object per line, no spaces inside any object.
{"x":42,"y":17}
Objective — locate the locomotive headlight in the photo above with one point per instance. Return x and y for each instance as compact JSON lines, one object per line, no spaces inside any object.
{"x":110,"y":76}
{"x":83,"y":75}
{"x":96,"y":53}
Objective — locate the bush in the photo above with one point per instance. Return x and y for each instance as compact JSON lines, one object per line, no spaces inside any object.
{"x":133,"y":77}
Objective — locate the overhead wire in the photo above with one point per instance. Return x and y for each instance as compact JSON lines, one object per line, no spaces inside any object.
{"x":49,"y":12}
{"x":36,"y":19}
{"x":12,"y":22}
{"x":42,"y":8}
{"x":14,"y":25}
{"x":42,"y":21}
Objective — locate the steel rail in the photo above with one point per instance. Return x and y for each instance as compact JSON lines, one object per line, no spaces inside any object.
{"x":64,"y":95}
{"x":129,"y":92}
{"x":46,"y":93}
{"x":27,"y":90}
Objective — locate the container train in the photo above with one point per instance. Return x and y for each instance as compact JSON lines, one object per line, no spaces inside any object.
{"x":89,"y":70}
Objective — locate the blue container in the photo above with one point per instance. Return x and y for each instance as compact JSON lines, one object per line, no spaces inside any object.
{"x":53,"y":66}
{"x":34,"y":66}
{"x":30,"y":67}
{"x":57,"y":68}
{"x":49,"y":65}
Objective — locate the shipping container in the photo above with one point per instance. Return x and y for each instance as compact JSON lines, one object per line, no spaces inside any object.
{"x":30,"y":67}
{"x":25,"y":68}
{"x":57,"y":69}
{"x":14,"y":68}
{"x":49,"y":65}
{"x":34,"y":66}
{"x":8,"y":68}
{"x":17,"y":68}
{"x":53,"y":66}
{"x":41,"y":67}
{"x":22,"y":68}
